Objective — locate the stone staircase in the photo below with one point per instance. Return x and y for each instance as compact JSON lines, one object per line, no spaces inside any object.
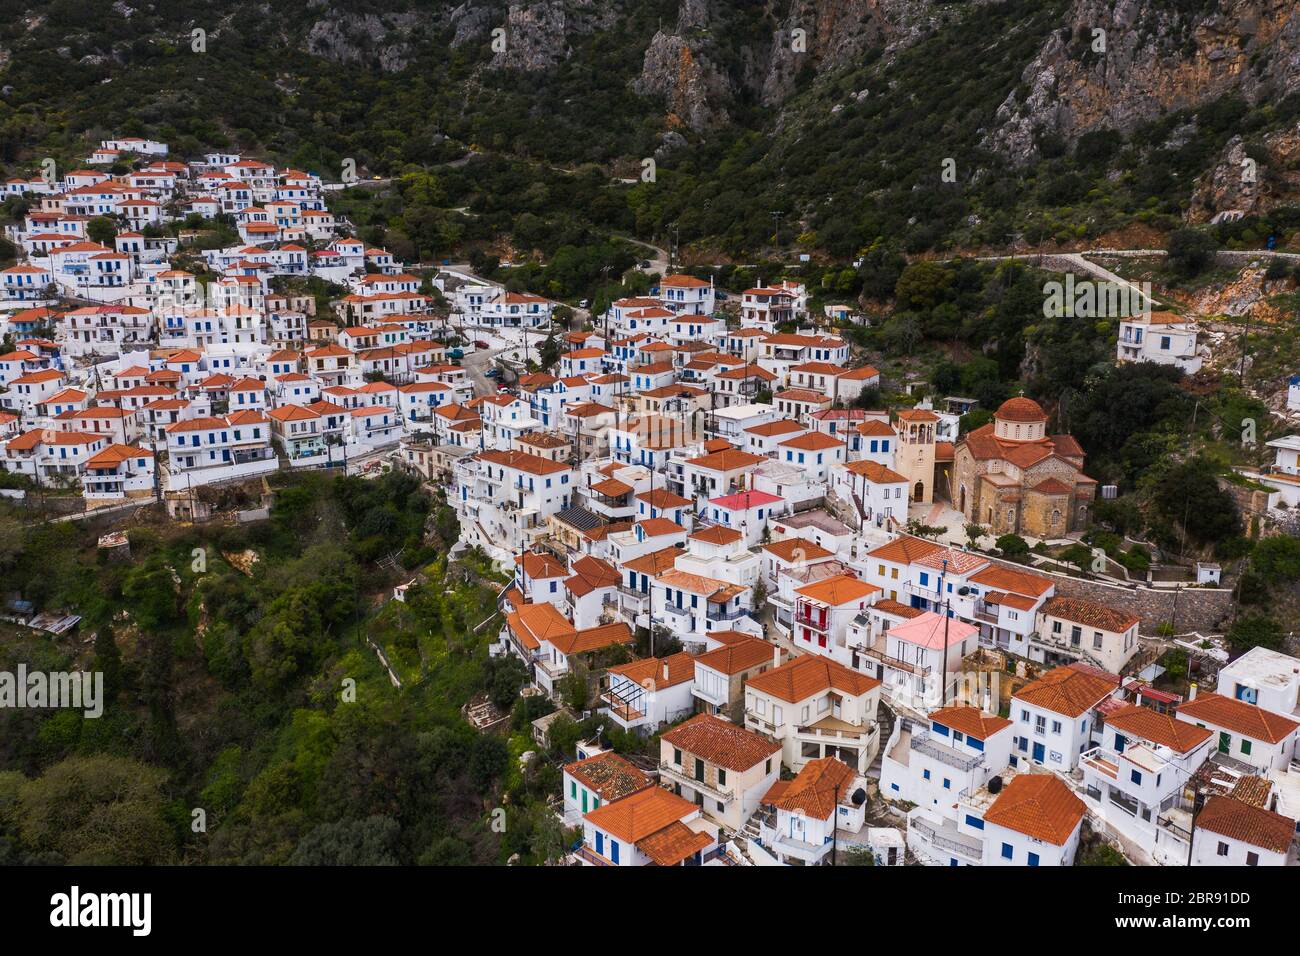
{"x":749,"y":832}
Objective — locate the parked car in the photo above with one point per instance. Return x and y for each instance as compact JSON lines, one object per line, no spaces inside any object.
{"x":493,"y":372}
{"x":456,"y":354}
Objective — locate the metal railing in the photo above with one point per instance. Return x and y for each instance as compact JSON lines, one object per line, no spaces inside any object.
{"x":925,"y":744}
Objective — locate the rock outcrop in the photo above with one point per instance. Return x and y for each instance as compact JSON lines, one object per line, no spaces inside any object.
{"x":1148,"y":59}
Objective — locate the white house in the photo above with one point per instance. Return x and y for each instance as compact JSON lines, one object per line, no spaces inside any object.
{"x":1075,"y":629}
{"x":1245,"y":732}
{"x":1231,"y":832}
{"x":588,"y":784}
{"x":960,"y":750}
{"x":1056,"y":715}
{"x":1161,"y":337}
{"x":1034,"y":821}
{"x":825,"y":796}
{"x":652,"y":826}
{"x":1263,"y":677}
{"x":646,"y":694}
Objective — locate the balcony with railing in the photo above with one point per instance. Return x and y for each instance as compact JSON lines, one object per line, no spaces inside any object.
{"x":677,"y":774}
{"x":832,"y":730}
{"x":878,"y":652}
{"x":590,"y":856}
{"x":946,"y":836}
{"x":986,"y":612}
{"x":924,"y":743}
{"x":725,"y":612}
{"x":812,"y":616}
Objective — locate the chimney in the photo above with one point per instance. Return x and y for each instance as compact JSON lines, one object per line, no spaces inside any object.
{"x":776,"y":655}
{"x":665,"y":670}
{"x":1191,"y":693}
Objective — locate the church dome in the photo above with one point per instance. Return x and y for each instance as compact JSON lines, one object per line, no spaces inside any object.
{"x":1020,"y":409}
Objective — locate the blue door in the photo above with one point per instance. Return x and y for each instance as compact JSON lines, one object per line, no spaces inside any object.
{"x":1120,"y":741}
{"x":600,"y":843}
{"x":1038,"y":753}
{"x":613,"y":850}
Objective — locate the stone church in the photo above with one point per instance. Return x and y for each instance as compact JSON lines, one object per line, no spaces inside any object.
{"x":1014,"y":478}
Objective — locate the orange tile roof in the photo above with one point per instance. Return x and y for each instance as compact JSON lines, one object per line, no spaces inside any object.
{"x":797,"y":549}
{"x":673,"y":844}
{"x":815,"y":790}
{"x":654,"y":527}
{"x":804,"y":676}
{"x":1038,"y":805}
{"x":738,"y":656}
{"x":1090,"y":613}
{"x":663,"y":498}
{"x":1237,"y":820}
{"x":1007,"y":579}
{"x":1239,"y":717}
{"x":971,"y":721}
{"x":719,"y":741}
{"x":837,"y":590}
{"x":1158,"y":728}
{"x":590,"y":574}
{"x":523,"y":461}
{"x":875,"y":472}
{"x":541,"y":564}
{"x":812,"y":441}
{"x":716,"y":534}
{"x":534,"y":623}
{"x":730,"y":460}
{"x":656,"y":673}
{"x":904,"y":550}
{"x":1066,"y":691}
{"x":593,"y":638}
{"x":638,"y":816}
{"x":654,"y":563}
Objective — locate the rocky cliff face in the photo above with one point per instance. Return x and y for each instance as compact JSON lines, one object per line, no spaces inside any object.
{"x":365,"y":38}
{"x":835,"y":34}
{"x":680,"y":68}
{"x":682,"y":65}
{"x":1242,"y":185}
{"x":1157,"y":56}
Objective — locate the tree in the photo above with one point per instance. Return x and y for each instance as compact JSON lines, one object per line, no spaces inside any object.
{"x":1077,"y":554}
{"x":101,"y":230}
{"x":1101,"y":854}
{"x":1013,"y":547}
{"x":1255,"y":630}
{"x":1277,"y":558}
{"x":1189,"y":496}
{"x":1191,"y":251}
{"x":369,"y":842}
{"x":98,"y":811}
{"x":503,"y":676}
{"x":856,"y":856}
{"x":974,"y":531}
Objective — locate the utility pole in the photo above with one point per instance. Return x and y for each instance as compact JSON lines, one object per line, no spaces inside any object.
{"x":945,"y":607}
{"x":776,"y":226}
